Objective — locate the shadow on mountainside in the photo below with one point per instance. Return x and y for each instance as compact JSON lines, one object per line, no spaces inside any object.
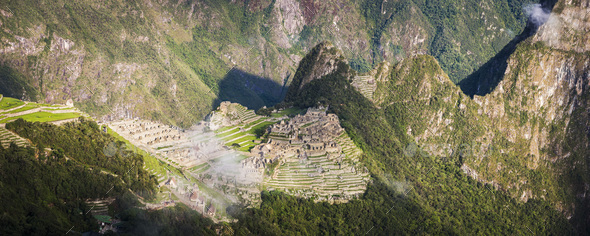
{"x":14,"y":84}
{"x":249,"y":90}
{"x":489,"y":75}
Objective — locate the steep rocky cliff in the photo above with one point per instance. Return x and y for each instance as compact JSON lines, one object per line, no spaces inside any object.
{"x":421,"y":133}
{"x":535,"y":121}
{"x":527,"y":138}
{"x":175,"y":60}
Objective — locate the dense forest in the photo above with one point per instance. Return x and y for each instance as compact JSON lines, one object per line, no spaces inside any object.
{"x":176,"y":220}
{"x":84,"y":144}
{"x":45,"y":186}
{"x":44,"y":194}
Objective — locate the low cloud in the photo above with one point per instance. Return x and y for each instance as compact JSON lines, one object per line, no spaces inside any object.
{"x":537,"y":14}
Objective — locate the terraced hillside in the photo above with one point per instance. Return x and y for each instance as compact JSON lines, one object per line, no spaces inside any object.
{"x":366,"y":85}
{"x":196,"y":166}
{"x":311,"y":156}
{"x":306,"y":155}
{"x":12,"y":109}
{"x":241,"y":128}
{"x":7,"y":137}
{"x":319,"y":177}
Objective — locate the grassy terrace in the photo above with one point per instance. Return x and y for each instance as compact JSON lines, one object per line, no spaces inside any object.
{"x":223,"y":130}
{"x":9,"y":103}
{"x":247,"y":146}
{"x":27,"y":107}
{"x":243,"y":139}
{"x":33,"y":105}
{"x":256,"y":122}
{"x":235,"y":135}
{"x":160,"y":148}
{"x":261,"y":125}
{"x":43,"y":117}
{"x":246,"y":136}
{"x":294,"y":175}
{"x":200,"y":168}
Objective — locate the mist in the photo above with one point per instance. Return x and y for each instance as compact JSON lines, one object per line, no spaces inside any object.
{"x":537,"y":14}
{"x":227,"y":175}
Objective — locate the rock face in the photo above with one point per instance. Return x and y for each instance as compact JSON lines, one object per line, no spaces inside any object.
{"x":526,"y":125}
{"x":528,"y":136}
{"x":567,"y":27}
{"x":289,"y":22}
{"x":324,"y":59}
{"x":136,"y":60}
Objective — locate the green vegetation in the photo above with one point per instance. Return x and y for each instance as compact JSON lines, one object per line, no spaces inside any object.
{"x":412,"y":194}
{"x":76,"y":140}
{"x":43,"y":117}
{"x":45,"y":191}
{"x":9,"y":103}
{"x":160,"y":148}
{"x":177,"y":220}
{"x":291,"y":111}
{"x":7,"y":138}
{"x":46,"y":195}
{"x":244,"y":136}
{"x":46,"y":115}
{"x":416,"y":195}
{"x":151,"y":163}
{"x":178,"y":57}
{"x":27,"y":107}
{"x":15,"y":84}
{"x":446,"y":23}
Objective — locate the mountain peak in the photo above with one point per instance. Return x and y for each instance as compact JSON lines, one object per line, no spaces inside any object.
{"x":322,"y":60}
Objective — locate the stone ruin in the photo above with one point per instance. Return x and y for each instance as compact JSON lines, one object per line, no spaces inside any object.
{"x":229,"y":114}
{"x":182,"y":148}
{"x":315,"y":156}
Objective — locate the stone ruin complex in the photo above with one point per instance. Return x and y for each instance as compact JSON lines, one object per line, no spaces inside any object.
{"x":314,"y":157}
{"x":308,"y":155}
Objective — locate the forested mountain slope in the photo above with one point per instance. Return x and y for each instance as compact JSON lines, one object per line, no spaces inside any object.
{"x":527,"y":139}
{"x":175,"y":60}
{"x":414,"y":191}
{"x":53,"y":186}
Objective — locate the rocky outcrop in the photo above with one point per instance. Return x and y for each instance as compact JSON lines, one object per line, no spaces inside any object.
{"x":534,"y":120}
{"x":567,"y":27}
{"x":324,"y":59}
{"x":133,"y":57}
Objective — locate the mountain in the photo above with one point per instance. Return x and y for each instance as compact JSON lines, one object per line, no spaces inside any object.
{"x":173,"y":61}
{"x":418,"y":189}
{"x":527,"y":138}
{"x":471,"y":118}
